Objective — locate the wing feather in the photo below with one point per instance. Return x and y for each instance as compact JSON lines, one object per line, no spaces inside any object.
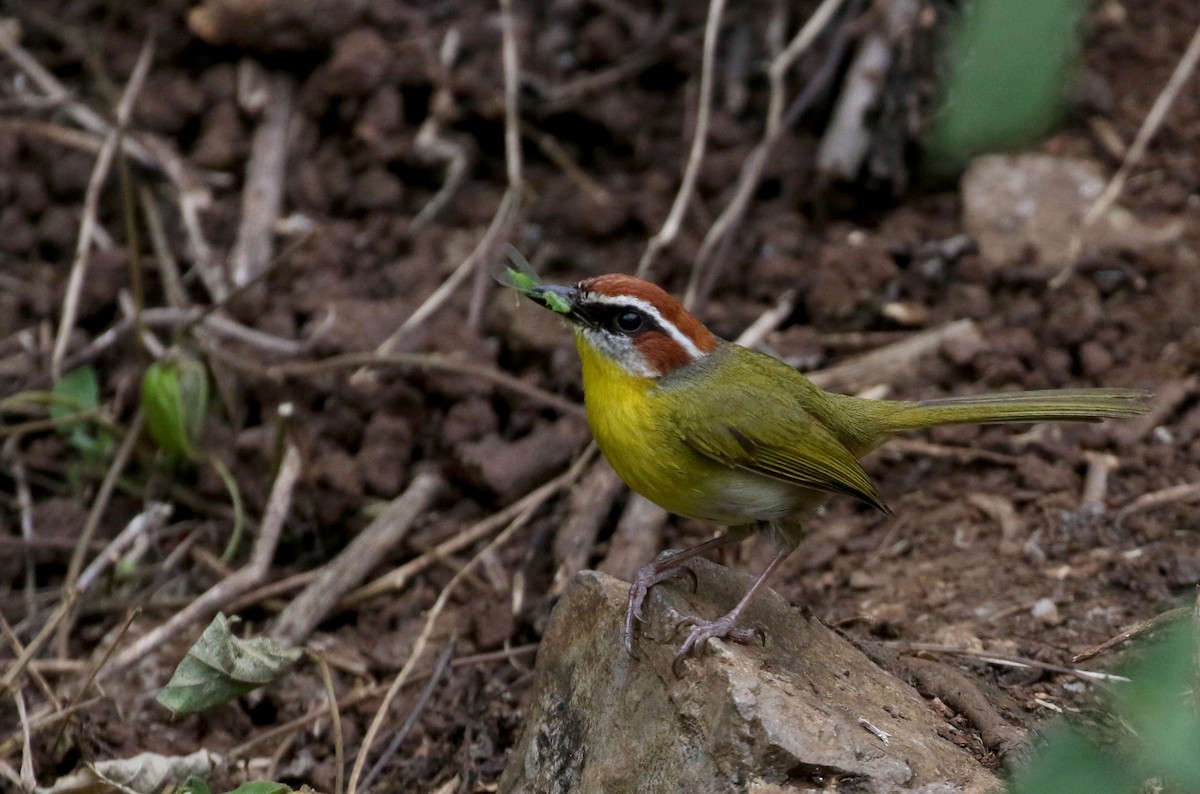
{"x":772,"y":435}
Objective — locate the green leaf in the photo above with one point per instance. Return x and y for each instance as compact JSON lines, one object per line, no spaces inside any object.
{"x":194,"y":785}
{"x":262,"y":787}
{"x":1073,"y":764}
{"x":79,"y":390}
{"x":1159,"y":740}
{"x":1007,"y":70}
{"x":220,"y":667}
{"x":175,"y":398}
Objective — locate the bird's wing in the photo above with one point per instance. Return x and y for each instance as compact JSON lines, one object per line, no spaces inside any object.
{"x":777,"y":438}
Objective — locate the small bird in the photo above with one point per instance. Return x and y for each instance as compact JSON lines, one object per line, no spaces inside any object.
{"x":711,"y":430}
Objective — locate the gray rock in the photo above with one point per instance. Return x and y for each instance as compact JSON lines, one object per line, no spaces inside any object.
{"x":1028,"y":207}
{"x":788,"y":717}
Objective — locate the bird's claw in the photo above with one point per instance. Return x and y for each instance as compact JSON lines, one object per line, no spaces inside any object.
{"x":723,"y":628}
{"x":639,"y":590}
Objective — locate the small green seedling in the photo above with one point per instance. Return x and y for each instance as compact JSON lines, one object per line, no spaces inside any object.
{"x":521,"y":277}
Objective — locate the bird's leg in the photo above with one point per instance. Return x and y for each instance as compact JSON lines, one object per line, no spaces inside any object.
{"x":725,"y":627}
{"x":661,"y":570}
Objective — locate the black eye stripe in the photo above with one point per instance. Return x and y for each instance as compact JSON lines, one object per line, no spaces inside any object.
{"x":620,"y":319}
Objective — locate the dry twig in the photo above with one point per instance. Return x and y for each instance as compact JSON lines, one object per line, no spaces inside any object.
{"x":1188,"y":492}
{"x":339,"y":575}
{"x":1137,"y":150}
{"x":1151,"y":624}
{"x":262,"y":196}
{"x":670,"y":228}
{"x":429,"y":362}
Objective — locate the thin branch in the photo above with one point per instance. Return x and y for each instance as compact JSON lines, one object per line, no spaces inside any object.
{"x":439,"y":669}
{"x":91,"y":200}
{"x":399,"y":577}
{"x":670,"y":228}
{"x":702,"y":277}
{"x":335,"y":717}
{"x":429,"y":362}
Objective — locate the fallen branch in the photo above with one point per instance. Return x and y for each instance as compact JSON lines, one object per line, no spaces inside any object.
{"x":342,"y":573}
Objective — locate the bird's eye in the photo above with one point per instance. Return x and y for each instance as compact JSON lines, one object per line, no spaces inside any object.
{"x":629,"y":321}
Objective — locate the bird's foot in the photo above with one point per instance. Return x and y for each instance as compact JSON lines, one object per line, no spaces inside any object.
{"x":646,"y":577}
{"x":723,"y":628}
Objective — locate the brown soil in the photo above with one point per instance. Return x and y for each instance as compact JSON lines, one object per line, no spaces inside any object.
{"x":978,"y":541}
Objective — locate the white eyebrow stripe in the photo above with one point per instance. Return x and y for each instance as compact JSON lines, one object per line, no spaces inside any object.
{"x":637,"y":303}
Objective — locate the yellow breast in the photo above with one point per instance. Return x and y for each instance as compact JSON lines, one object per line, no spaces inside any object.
{"x":628,"y":417}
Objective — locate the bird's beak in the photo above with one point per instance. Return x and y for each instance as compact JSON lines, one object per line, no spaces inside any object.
{"x":558,"y":298}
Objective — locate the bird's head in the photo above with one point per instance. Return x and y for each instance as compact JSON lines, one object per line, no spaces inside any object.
{"x":630,"y":322}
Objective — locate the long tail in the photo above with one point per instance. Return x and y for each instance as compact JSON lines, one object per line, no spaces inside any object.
{"x":1052,"y":405}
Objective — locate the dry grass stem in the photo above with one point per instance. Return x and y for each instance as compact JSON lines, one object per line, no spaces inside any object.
{"x":168,"y":267}
{"x":1160,"y":620}
{"x":915,"y":446}
{"x":19,"y":648}
{"x":49,"y":85}
{"x":683,"y":198}
{"x":505,"y":215}
{"x":335,"y":718}
{"x":28,"y":778}
{"x":91,"y":199}
{"x":431,"y":618}
{"x":432,"y":144}
{"x":100,"y":503}
{"x":278,"y":505}
{"x":8,"y":683}
{"x":558,"y":154}
{"x":11,"y":454}
{"x":299,"y":723}
{"x":91,"y":524}
{"x":1005,"y":660}
{"x":700,"y":280}
{"x":439,"y":669}
{"x":150,"y":520}
{"x":66,"y":137}
{"x":768,"y":321}
{"x":42,"y":721}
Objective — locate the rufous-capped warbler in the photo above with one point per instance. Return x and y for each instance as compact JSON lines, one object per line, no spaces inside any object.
{"x":712,"y":430}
